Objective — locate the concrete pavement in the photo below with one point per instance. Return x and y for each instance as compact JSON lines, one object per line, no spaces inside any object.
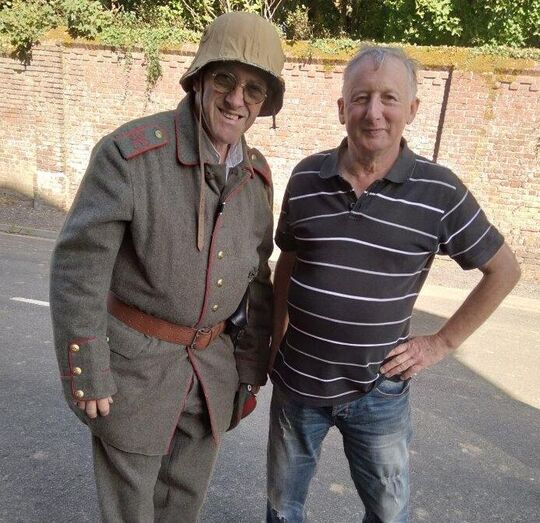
{"x":475,"y":454}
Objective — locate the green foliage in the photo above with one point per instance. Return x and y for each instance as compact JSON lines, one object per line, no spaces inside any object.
{"x":501,"y":22}
{"x":22,"y":24}
{"x":329,"y":25}
{"x":85,"y":18}
{"x":297,"y":24}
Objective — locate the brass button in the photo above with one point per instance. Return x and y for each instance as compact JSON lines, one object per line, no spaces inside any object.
{"x":219,"y":283}
{"x":77,"y":371}
{"x":158,"y":134}
{"x":215,"y":307}
{"x":79,"y":394}
{"x":74,"y":347}
{"x":220,"y":255}
{"x":253,"y":157}
{"x":108,"y":339}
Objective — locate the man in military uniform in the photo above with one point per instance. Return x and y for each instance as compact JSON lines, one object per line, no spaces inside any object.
{"x":170,"y":229}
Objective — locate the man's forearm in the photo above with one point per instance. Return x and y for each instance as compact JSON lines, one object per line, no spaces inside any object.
{"x":500,"y":276}
{"x":282,"y":278}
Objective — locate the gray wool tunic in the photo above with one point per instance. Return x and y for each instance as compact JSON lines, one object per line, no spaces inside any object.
{"x":132,"y":229}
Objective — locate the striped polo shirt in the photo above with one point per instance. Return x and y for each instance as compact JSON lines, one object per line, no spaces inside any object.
{"x":360,"y":264}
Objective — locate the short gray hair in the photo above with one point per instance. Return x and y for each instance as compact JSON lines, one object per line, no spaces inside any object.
{"x":378,"y":54}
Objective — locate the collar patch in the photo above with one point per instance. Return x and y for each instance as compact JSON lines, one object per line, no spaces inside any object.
{"x":140,"y":139}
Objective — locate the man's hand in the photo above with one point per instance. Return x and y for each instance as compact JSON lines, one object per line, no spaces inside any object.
{"x":93,"y":407}
{"x":408,"y":359}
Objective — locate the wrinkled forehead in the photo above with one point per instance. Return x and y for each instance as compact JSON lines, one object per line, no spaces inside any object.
{"x":392,"y":70}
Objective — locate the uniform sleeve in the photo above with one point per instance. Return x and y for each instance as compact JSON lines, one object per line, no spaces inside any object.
{"x":284,"y":234}
{"x":466,"y":235}
{"x":81,"y":269}
{"x":253,"y":348}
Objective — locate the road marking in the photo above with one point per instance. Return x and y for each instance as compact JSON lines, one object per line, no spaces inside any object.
{"x":35,"y":302}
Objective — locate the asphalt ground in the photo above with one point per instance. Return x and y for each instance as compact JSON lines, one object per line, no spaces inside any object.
{"x":475,"y":454}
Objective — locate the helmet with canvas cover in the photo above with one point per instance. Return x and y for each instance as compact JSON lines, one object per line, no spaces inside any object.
{"x":246,"y":38}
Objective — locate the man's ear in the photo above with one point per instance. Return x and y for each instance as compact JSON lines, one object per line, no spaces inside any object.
{"x":412,"y":110}
{"x":341,"y":111}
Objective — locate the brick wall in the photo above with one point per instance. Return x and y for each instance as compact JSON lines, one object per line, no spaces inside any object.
{"x":57,"y":108}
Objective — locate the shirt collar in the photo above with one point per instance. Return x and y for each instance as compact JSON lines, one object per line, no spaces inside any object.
{"x":235,"y":154}
{"x":400,"y":171}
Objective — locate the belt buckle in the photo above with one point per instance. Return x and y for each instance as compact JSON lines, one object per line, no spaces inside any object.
{"x":196,"y":336}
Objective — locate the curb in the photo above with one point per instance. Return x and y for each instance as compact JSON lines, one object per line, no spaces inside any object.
{"x":28,"y":231}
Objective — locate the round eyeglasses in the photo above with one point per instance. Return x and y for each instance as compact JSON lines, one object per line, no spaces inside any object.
{"x":225,"y":82}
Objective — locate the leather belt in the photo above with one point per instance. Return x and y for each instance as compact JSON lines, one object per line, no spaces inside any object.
{"x":162,"y":329}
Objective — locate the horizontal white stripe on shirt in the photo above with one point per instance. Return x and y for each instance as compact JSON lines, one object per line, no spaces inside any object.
{"x":319,"y":216}
{"x":320,"y":193}
{"x":329,"y":380}
{"x":456,"y":206}
{"x":353,"y":240}
{"x":392,"y":224}
{"x":406,"y":202}
{"x":367,"y":365}
{"x":305,"y":172}
{"x":315,"y":395}
{"x":336,"y":342}
{"x":359,"y":323}
{"x":351,"y":296}
{"x":438,"y":182}
{"x":471,"y":246}
{"x":460,"y":230}
{"x":366,"y":271}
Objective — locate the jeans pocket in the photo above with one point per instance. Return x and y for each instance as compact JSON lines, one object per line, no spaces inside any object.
{"x":392,"y":389}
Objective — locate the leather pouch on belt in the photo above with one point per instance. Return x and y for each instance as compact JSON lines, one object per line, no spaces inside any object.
{"x":244,"y":404}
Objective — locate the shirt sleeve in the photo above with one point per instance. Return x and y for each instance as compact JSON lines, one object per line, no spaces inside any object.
{"x":284,"y":233}
{"x":81,"y":270}
{"x":466,"y":235}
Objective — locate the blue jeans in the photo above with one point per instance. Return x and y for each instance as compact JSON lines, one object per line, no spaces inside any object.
{"x":376,"y":432}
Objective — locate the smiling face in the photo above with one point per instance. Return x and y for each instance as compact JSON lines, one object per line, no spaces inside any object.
{"x":376,"y":105}
{"x":226,"y":115}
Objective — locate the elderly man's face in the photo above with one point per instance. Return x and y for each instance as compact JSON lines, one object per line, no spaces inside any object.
{"x":228,"y":114}
{"x":375,"y":107}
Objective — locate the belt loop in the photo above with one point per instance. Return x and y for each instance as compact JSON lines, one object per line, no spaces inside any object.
{"x":196,"y":336}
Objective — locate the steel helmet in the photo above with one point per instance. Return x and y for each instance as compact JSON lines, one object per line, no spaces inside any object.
{"x":246,"y":38}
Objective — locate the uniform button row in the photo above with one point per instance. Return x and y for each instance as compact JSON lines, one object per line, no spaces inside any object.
{"x":220,"y":255}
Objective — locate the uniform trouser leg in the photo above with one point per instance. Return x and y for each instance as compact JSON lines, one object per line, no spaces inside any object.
{"x":134,"y":488}
{"x":186,"y":471}
{"x":125,"y":483}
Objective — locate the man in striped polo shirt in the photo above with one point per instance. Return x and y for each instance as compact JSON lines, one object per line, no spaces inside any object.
{"x":359,"y":229}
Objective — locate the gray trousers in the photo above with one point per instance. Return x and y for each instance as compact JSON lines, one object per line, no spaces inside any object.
{"x":134,"y":488}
